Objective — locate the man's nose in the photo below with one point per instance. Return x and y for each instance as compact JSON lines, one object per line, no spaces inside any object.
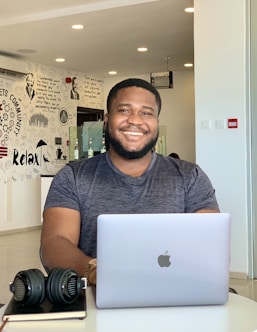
{"x":135,"y":117}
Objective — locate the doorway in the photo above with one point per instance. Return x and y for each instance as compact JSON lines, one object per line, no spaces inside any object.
{"x":85,"y":114}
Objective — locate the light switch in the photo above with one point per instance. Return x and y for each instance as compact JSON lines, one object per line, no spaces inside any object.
{"x":220,"y":124}
{"x":206,"y":124}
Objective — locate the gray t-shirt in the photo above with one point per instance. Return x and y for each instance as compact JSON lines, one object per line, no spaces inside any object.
{"x":95,"y":186}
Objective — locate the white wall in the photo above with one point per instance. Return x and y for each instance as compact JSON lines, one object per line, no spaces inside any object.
{"x":220,"y":94}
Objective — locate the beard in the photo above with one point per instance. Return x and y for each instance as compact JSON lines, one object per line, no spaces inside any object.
{"x":118,"y":147}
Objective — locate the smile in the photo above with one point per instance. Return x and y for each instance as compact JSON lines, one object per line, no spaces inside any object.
{"x":133,"y":133}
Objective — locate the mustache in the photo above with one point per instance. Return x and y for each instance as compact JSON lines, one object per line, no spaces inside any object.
{"x":133,"y":128}
{"x":117,"y":146}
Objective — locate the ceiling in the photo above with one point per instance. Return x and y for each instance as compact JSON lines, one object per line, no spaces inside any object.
{"x":113,"y":30}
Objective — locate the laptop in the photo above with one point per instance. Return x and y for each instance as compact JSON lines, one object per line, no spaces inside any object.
{"x":156,"y":260}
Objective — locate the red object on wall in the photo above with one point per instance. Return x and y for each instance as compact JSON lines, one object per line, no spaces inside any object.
{"x":68,"y":79}
{"x":232,"y":123}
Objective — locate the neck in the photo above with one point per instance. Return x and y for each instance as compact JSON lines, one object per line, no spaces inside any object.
{"x":131,"y":167}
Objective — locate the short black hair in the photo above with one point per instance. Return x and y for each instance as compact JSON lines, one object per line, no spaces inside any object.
{"x":130,"y":82}
{"x":174,"y":155}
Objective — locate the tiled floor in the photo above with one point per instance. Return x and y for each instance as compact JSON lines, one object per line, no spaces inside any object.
{"x":247,"y":288}
{"x":20,"y":252}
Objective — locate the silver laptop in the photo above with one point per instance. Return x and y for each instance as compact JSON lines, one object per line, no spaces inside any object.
{"x":152,"y":260}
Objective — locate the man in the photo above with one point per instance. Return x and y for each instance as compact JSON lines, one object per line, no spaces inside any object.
{"x":74,"y":91}
{"x":129,"y":178}
{"x":29,"y":86}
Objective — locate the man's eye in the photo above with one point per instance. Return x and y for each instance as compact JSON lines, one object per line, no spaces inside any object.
{"x":147,"y":113}
{"x":123,"y":110}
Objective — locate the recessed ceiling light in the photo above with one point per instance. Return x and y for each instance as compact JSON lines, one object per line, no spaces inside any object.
{"x":112,"y":72}
{"x":142,"y":49}
{"x":189,"y":10}
{"x":77,"y":26}
{"x":60,"y":60}
{"x":188,"y":65}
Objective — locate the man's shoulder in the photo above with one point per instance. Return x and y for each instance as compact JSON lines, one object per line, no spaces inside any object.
{"x":87,"y":163}
{"x":176,"y":164}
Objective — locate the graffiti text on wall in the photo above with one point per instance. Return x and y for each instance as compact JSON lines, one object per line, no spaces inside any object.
{"x":10,"y":119}
{"x":48,"y":93}
{"x":29,"y":157}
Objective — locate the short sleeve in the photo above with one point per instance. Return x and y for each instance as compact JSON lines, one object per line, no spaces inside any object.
{"x":199,"y":192}
{"x":63,"y":191}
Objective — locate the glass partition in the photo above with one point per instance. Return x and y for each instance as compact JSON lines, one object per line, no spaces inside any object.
{"x":89,"y":131}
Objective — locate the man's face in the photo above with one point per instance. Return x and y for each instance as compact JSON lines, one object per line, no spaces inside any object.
{"x":75,"y":85}
{"x":30,"y":84}
{"x":132,"y":124}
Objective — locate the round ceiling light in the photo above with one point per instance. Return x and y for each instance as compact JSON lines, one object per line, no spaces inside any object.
{"x":142,"y":49}
{"x":60,"y":60}
{"x":188,"y":65}
{"x":189,"y":10}
{"x":77,"y":26}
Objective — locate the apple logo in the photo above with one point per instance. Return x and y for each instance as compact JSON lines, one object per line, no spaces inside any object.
{"x":164,"y":260}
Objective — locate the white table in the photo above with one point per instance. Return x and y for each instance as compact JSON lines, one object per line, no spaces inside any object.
{"x":238,"y":315}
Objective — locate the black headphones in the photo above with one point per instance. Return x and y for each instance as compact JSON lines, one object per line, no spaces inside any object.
{"x":62,"y":286}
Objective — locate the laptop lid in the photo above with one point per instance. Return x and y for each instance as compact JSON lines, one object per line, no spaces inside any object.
{"x":162,"y":259}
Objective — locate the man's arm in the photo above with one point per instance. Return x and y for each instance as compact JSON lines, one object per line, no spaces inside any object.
{"x":59,"y":240}
{"x":207,"y":211}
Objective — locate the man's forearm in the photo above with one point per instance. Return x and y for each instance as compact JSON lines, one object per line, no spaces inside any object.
{"x":59,"y":252}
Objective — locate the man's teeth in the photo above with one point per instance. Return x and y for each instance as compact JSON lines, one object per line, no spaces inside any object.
{"x":133,"y":133}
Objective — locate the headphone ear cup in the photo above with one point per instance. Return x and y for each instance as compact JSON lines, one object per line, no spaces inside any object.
{"x":63,"y":286}
{"x":28,"y":287}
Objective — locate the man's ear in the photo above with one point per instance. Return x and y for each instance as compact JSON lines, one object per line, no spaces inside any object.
{"x":106,"y":116}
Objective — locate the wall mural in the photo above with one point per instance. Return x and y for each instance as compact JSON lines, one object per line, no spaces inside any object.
{"x":36,"y":113}
{"x":10,"y":119}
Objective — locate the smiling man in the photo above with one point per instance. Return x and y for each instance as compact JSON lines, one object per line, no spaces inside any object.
{"x":132,"y":125}
{"x":129,"y":178}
